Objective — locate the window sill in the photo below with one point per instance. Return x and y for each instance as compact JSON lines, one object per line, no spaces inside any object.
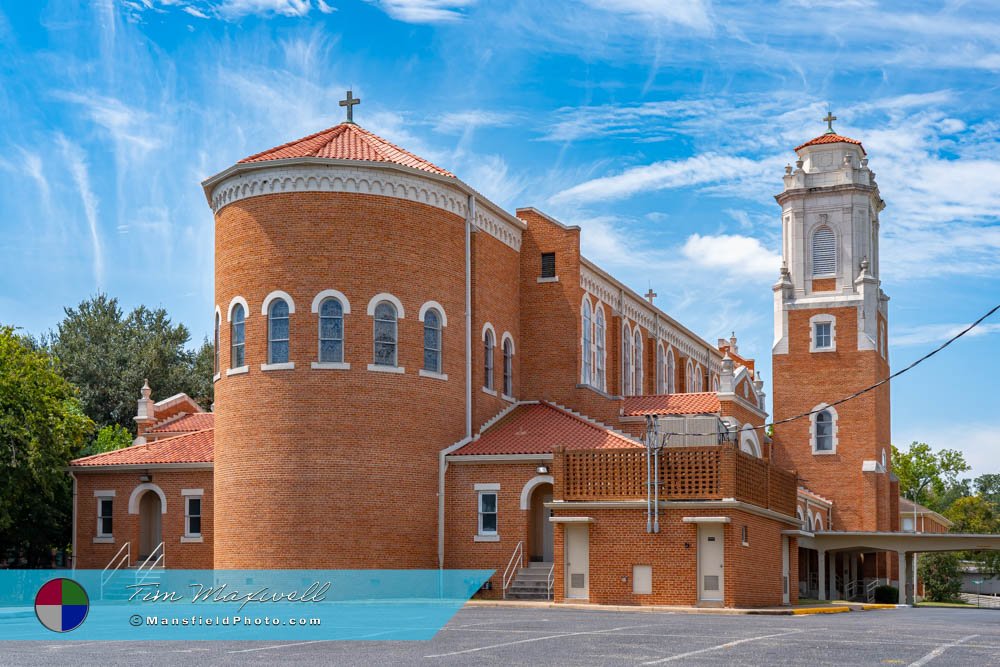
{"x":824,"y":452}
{"x":746,"y":544}
{"x":433,"y":375}
{"x":553,"y":279}
{"x":823,"y":349}
{"x":284,"y":366}
{"x":109,"y":539}
{"x":378,"y":368}
{"x":215,"y":378}
{"x":238,"y":371}
{"x":491,"y":392}
{"x":192,"y":539}
{"x":486,"y":538}
{"x":509,"y":399}
{"x":330,"y":366}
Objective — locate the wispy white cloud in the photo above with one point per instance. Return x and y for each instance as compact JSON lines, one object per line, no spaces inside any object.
{"x":688,"y":13}
{"x":77,"y":162}
{"x":238,"y":8}
{"x":425,"y":11}
{"x":732,"y":254}
{"x":456,"y":122}
{"x":927,"y":334}
{"x":128,"y":126}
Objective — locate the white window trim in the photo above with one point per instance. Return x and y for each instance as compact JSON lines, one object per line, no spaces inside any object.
{"x":284,"y":366}
{"x":489,"y":385}
{"x":586,"y":340}
{"x":638,"y":367}
{"x":431,"y":374}
{"x":436,"y":306}
{"x":600,"y":377}
{"x":812,"y":430}
{"x":277,"y":294}
{"x":330,"y":366}
{"x":481,"y":535}
{"x":491,"y":392}
{"x":385,"y":296}
{"x":745,"y":535}
{"x":328,"y":294}
{"x":818,"y":523}
{"x":661,"y":368}
{"x":670,"y":368}
{"x":506,"y":336}
{"x":748,"y":434}
{"x":551,"y":279}
{"x":102,"y":537}
{"x":689,"y":380}
{"x":823,"y":318}
{"x":378,"y":368}
{"x":133,"y":499}
{"x":812,"y":250}
{"x":239,"y":370}
{"x":188,"y":495}
{"x":232,"y":304}
{"x":629,"y":373}
{"x":503,"y":358}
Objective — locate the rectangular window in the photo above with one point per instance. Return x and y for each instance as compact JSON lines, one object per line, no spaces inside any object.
{"x":745,"y":536}
{"x":192,"y":516}
{"x":488,"y":513}
{"x":908,"y":524}
{"x":548,"y":265}
{"x":105,"y":507}
{"x":823,"y":336}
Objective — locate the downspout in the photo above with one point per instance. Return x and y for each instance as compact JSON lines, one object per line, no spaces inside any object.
{"x":73,"y":475}
{"x":442,"y":460}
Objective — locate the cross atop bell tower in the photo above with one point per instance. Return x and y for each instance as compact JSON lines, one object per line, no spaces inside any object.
{"x":349,"y":102}
{"x":829,"y":122}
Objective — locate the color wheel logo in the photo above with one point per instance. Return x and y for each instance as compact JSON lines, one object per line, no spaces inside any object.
{"x":61,"y":605}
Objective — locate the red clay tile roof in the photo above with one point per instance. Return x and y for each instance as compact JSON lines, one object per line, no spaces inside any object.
{"x":198,"y":421}
{"x":706,"y":402}
{"x":347,"y":141}
{"x":194,"y":447}
{"x":535,"y":428}
{"x":832,"y":139}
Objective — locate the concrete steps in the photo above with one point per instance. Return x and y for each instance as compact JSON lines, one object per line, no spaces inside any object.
{"x":531,"y":583}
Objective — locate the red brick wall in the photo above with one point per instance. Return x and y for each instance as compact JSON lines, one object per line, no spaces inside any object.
{"x":125,"y":526}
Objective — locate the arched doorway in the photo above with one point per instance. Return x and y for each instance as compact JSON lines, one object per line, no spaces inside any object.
{"x":150,"y":524}
{"x":540,"y":543}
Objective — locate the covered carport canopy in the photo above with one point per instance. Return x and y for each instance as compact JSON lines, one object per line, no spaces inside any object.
{"x":904,"y":544}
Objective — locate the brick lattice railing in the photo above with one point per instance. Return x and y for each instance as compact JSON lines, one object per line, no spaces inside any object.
{"x":686,"y":473}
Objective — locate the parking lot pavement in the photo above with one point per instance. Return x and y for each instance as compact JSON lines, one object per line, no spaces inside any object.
{"x":503,"y":636}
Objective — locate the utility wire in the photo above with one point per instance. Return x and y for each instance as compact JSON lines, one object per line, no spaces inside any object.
{"x":866,"y":389}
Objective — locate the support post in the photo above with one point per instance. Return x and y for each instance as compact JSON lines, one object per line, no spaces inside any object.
{"x":904,"y":566}
{"x":821,"y":579}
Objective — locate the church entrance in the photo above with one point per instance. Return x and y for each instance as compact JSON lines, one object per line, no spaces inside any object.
{"x":540,"y":528}
{"x":150,"y":524}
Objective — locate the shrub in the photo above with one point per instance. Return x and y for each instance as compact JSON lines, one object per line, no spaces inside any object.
{"x":887,"y":595}
{"x":941,"y":576}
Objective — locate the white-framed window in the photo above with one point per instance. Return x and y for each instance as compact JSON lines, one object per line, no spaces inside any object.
{"x":715,"y":382}
{"x":638,"y":384}
{"x":626,"y":360}
{"x":689,"y":377}
{"x":660,"y":370}
{"x":586,"y":346}
{"x":489,"y":345}
{"x":824,"y":252}
{"x":331,"y":331}
{"x":671,"y":371}
{"x":277,"y":332}
{"x":192,"y":516}
{"x":823,"y":429}
{"x":488,"y":512}
{"x":105,"y":515}
{"x":385,"y":330}
{"x":599,"y":347}
{"x":508,"y":365}
{"x":883,"y":344}
{"x":432,"y":341}
{"x":218,"y":325}
{"x":908,"y":524}
{"x":237,"y":337}
{"x":699,"y":379}
{"x":822,"y":333}
{"x":745,"y":535}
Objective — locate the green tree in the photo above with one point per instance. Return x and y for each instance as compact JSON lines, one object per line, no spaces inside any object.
{"x":107,"y":355}
{"x":41,"y":429}
{"x":109,"y":438}
{"x":973,"y":514}
{"x":933,"y":476}
{"x":988,"y":486}
{"x":941,"y":576}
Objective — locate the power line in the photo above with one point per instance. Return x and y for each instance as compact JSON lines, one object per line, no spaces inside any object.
{"x":872,"y":387}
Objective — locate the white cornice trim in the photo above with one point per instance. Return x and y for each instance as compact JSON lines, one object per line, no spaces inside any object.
{"x":253,"y":179}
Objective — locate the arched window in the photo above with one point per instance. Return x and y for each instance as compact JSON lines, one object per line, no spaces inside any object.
{"x":386,"y":335}
{"x":689,"y":379}
{"x":659,"y":369}
{"x":818,"y":526}
{"x":218,"y":324}
{"x":489,"y":342}
{"x":277,"y":332}
{"x":586,"y":347}
{"x":699,"y":379}
{"x":824,"y":431}
{"x":715,"y":383}
{"x":671,"y":372}
{"x":508,"y":366}
{"x":599,"y":348}
{"x":824,"y":252}
{"x":432,"y":341}
{"x":331,"y":331}
{"x":638,"y":385}
{"x":626,"y":361}
{"x":237,"y":337}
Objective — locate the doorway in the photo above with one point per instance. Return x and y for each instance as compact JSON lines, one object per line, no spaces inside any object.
{"x":541,"y":530}
{"x":150,"y":524}
{"x":577,"y":560}
{"x":711,"y":560}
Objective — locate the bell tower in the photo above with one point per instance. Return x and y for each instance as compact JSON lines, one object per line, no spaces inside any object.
{"x":830,"y":328}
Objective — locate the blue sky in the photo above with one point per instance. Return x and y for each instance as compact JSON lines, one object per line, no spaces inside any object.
{"x":660,"y":127}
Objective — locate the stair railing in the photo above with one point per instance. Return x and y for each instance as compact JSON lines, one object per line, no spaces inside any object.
{"x":515,"y":562}
{"x":124,"y":555}
{"x":550,"y":582}
{"x":870,"y":590}
{"x":146,"y":568}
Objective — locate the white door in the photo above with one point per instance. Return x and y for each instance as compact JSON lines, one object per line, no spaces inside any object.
{"x":711,"y":555}
{"x":784,"y":571}
{"x":577,"y":560}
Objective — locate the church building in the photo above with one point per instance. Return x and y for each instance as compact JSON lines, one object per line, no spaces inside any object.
{"x":409,"y":376}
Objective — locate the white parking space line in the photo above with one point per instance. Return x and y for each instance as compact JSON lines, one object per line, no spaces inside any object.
{"x":533,"y":639}
{"x":681,"y":656}
{"x":269,"y":648}
{"x":939,"y":650}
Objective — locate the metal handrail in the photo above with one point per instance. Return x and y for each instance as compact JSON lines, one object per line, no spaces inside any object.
{"x":509,"y":573}
{"x":116,"y":560}
{"x":870,"y":589}
{"x":143,"y":572}
{"x":551,"y":580}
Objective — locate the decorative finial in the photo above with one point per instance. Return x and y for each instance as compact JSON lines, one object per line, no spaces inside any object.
{"x":788,"y":169}
{"x":650,"y":295}
{"x":146,"y":391}
{"x":829,"y":122}
{"x":349,"y":102}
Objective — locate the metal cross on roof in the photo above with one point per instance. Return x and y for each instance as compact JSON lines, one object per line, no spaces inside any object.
{"x":650,"y":295}
{"x":828,"y":120}
{"x":349,"y":103}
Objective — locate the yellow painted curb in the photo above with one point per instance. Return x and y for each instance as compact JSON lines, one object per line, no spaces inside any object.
{"x":866,"y":607}
{"x":820,"y":610}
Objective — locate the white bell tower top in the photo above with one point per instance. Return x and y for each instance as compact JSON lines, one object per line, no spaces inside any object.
{"x":829,"y":220}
